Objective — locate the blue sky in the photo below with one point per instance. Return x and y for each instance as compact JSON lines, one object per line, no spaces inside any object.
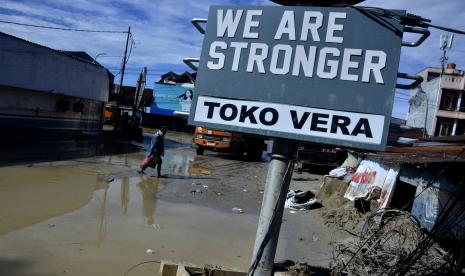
{"x":164,"y":35}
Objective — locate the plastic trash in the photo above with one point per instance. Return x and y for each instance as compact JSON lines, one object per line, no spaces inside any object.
{"x":338,"y":172}
{"x":150,"y":251}
{"x":237,"y":210}
{"x":300,"y":200}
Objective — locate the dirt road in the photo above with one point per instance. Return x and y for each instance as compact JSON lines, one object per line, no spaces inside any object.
{"x":98,"y":216}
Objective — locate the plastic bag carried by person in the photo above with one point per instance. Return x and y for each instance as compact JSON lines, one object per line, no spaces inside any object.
{"x":148,"y":161}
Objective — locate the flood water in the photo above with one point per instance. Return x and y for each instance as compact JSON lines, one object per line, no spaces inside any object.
{"x":65,"y":214}
{"x":98,"y":216}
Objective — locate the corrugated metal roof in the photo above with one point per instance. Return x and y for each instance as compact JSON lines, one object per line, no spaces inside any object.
{"x":65,"y":53}
{"x":422,"y":154}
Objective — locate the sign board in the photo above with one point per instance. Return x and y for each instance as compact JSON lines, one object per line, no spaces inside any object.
{"x":315,"y":74}
{"x":168,"y":98}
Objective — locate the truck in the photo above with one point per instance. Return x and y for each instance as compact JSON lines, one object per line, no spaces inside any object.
{"x":223,"y":141}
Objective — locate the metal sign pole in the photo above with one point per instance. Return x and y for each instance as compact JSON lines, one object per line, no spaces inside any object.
{"x":271,"y":213}
{"x":274,"y":196}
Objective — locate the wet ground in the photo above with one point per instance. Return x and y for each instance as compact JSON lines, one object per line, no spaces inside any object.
{"x":98,"y":216}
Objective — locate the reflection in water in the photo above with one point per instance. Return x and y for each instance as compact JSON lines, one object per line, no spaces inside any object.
{"x":184,"y":166}
{"x":148,"y":191}
{"x":103,"y":220}
{"x":125,"y":195}
{"x":29,"y":195}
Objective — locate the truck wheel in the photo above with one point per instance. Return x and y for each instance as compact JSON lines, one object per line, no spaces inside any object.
{"x":200,"y":151}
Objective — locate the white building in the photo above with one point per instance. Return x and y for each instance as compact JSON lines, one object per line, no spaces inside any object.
{"x":438,"y":106}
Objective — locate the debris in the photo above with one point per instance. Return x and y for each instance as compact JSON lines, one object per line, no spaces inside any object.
{"x":205,"y":186}
{"x":347,"y":217}
{"x":299,"y":270}
{"x":110,"y":179}
{"x":387,"y":238}
{"x":338,"y":172}
{"x":150,"y":251}
{"x":237,"y":210}
{"x":299,"y":200}
{"x":196,"y":191}
{"x":315,"y":237}
{"x":156,"y":226}
{"x":372,"y":178}
{"x":245,"y":190}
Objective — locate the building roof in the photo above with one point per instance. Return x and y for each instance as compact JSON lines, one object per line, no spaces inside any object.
{"x":71,"y":54}
{"x":424,"y":154}
{"x":81,"y":55}
{"x":185,"y":77}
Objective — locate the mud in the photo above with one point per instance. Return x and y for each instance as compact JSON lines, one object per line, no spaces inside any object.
{"x":98,"y":216}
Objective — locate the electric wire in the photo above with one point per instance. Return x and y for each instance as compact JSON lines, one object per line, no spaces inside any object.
{"x":63,"y":29}
{"x":429,"y":185}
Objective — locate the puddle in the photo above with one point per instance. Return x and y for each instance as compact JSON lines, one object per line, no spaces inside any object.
{"x":98,"y":216}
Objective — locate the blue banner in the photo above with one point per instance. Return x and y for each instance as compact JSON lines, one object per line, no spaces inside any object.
{"x":168,"y":98}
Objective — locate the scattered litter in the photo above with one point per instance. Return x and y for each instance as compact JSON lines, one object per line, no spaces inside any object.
{"x":51,"y":225}
{"x":150,"y":251}
{"x":237,"y":210}
{"x":110,"y":179}
{"x":338,"y":172}
{"x":260,"y":191}
{"x":315,"y":237}
{"x":301,"y":238}
{"x":219,"y":194}
{"x":292,"y":212}
{"x":205,"y":186}
{"x":300,"y":200}
{"x":196,"y":191}
{"x":156,"y":226}
{"x":245,"y":190}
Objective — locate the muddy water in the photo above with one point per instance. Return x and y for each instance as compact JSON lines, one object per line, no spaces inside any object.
{"x":97,"y":216}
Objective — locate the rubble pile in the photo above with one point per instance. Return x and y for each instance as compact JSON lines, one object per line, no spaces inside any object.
{"x":388,"y":237}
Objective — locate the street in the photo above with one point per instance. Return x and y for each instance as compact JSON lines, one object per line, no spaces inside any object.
{"x":98,"y":216}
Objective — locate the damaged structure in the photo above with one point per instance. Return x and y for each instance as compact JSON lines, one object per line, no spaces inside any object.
{"x":422,"y":189}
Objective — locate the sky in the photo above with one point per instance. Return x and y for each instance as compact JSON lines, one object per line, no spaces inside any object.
{"x":163,"y":34}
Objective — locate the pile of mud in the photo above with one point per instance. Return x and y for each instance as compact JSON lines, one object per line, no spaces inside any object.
{"x":339,"y":212}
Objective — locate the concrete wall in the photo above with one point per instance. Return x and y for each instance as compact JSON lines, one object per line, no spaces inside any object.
{"x":418,"y":106}
{"x":24,"y":109}
{"x":29,"y":66}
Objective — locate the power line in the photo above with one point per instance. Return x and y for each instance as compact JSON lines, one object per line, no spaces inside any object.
{"x":63,"y":29}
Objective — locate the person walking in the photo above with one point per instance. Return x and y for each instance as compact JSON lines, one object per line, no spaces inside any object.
{"x":157,"y":150}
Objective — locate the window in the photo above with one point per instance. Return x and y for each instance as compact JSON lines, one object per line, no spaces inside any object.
{"x":444,"y":127}
{"x":460,"y":130}
{"x":449,"y":100}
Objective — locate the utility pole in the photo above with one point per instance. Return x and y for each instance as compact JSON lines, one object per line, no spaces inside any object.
{"x":122,"y":71}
